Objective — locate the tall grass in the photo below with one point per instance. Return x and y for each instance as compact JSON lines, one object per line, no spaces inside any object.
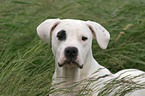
{"x":27,"y":63}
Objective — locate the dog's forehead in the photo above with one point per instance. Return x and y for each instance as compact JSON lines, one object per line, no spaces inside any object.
{"x":73,"y":26}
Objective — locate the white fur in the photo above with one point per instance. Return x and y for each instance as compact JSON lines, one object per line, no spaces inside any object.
{"x":75,"y":29}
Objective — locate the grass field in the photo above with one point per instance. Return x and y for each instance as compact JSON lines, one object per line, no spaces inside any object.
{"x":27,"y":63}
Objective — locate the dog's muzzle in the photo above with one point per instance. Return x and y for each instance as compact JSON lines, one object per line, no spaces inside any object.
{"x":71,"y":54}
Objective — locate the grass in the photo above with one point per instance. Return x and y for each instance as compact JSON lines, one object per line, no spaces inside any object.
{"x":27,"y":63}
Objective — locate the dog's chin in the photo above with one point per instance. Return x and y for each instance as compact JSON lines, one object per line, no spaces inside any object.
{"x":70,"y":64}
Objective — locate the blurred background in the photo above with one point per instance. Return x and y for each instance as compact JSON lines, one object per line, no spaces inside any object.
{"x":27,"y":63}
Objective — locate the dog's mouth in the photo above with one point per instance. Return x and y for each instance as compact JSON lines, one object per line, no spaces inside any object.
{"x":71,"y":63}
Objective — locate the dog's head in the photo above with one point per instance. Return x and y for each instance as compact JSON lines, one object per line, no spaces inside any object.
{"x":72,"y":39}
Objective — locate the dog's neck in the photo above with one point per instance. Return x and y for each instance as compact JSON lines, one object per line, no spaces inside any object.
{"x":70,"y":74}
{"x":73,"y":74}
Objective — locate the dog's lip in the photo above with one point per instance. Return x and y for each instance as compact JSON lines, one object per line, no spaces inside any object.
{"x":71,"y":62}
{"x":60,"y":65}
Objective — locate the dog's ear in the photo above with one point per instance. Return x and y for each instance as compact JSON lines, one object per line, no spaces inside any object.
{"x":100,"y":33}
{"x":45,"y":29}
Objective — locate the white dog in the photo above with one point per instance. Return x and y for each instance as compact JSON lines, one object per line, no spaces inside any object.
{"x":71,"y":46}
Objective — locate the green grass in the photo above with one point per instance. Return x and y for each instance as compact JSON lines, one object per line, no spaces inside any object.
{"x":27,"y":63}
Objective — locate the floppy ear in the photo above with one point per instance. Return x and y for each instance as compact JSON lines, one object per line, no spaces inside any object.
{"x":101,"y":34}
{"x":44,"y":30}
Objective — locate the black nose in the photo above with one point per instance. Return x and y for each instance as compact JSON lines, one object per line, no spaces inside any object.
{"x":71,"y":52}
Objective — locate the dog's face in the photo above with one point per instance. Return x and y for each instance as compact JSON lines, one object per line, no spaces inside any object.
{"x":72,"y":39}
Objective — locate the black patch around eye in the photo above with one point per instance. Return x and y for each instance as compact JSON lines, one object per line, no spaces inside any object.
{"x":84,"y":38}
{"x":61,"y":35}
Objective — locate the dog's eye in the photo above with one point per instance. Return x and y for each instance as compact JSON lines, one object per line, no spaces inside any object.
{"x":61,"y":35}
{"x":84,"y":38}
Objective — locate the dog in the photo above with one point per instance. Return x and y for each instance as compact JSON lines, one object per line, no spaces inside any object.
{"x":71,"y":45}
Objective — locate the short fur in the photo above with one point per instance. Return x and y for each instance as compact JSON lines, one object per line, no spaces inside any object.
{"x":75,"y":29}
